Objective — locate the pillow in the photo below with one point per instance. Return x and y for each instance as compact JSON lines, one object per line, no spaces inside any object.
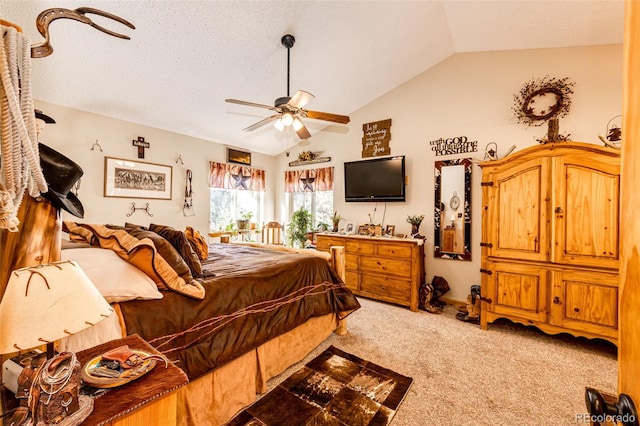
{"x":166,"y":250}
{"x":115,"y":278}
{"x":180,"y":242}
{"x":140,"y":253}
{"x":72,"y":244}
{"x":198,"y":242}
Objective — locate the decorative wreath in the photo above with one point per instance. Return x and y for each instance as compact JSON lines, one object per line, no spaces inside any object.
{"x":524,"y":102}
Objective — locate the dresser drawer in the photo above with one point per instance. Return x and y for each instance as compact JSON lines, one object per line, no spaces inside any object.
{"x":386,"y":288}
{"x":352,"y":279}
{"x":351,"y":261}
{"x":325,"y":243}
{"x":402,"y":251}
{"x":396,"y":267}
{"x":360,"y":247}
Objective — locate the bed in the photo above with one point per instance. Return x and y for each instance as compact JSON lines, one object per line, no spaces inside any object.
{"x":243,"y":316}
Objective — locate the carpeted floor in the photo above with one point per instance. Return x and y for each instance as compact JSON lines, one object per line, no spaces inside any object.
{"x":508,"y":375}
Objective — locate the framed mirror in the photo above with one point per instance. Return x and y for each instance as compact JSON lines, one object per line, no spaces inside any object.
{"x":452,"y":212}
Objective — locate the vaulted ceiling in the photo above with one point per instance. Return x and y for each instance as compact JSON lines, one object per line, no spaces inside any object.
{"x":186,"y":57}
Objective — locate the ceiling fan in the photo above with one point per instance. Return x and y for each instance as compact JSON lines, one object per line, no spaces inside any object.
{"x":289,"y":108}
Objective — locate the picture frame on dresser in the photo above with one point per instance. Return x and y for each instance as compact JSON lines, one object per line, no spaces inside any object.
{"x":390,"y":230}
{"x":125,"y":178}
{"x":350,"y":229}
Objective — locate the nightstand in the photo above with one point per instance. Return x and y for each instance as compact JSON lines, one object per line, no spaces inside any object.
{"x":149,"y":400}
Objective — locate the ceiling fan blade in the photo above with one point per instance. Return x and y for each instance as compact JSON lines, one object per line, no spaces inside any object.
{"x":252,"y":104}
{"x":326,"y":116}
{"x":261,"y":123}
{"x":300,"y":99}
{"x":302,"y":131}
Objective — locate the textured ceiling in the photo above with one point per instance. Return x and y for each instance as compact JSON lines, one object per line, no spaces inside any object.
{"x":185,"y":57}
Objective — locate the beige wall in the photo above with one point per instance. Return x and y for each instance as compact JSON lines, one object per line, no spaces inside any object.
{"x":466,"y":95}
{"x":469,"y":95}
{"x":76,"y":131}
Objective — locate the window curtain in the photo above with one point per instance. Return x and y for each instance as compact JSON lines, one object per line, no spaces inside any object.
{"x":229,"y":176}
{"x":309,"y":180}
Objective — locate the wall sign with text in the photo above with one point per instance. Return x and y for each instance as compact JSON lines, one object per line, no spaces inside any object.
{"x":457,"y":145}
{"x":375,"y":138}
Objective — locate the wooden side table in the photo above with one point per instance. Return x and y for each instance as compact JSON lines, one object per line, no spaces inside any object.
{"x":149,"y":400}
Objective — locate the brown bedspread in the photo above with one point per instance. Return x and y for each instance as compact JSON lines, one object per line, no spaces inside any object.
{"x":255,"y":295}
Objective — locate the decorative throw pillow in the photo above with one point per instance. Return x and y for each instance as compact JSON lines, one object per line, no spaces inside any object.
{"x":166,"y":250}
{"x":198,"y":242}
{"x":179,"y":241}
{"x":115,"y":278}
{"x":133,"y":225}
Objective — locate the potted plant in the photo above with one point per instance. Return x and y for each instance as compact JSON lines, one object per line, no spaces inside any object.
{"x":243,"y":222}
{"x":299,"y":227}
{"x":415,"y":222}
{"x":336,"y":221}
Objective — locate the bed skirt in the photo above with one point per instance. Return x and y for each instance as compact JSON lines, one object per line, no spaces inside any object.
{"x":213,"y":399}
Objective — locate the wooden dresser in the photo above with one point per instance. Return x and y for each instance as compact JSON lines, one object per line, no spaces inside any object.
{"x":550,"y":239}
{"x":388,"y":269}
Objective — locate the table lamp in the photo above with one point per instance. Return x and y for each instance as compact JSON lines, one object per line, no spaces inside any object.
{"x":45,"y":303}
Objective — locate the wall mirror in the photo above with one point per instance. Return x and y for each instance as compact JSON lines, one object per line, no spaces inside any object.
{"x":452,"y":220}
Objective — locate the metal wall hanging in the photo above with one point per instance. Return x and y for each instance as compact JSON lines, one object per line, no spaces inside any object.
{"x":46,"y":17}
{"x":455,"y":145}
{"x":141,"y":144}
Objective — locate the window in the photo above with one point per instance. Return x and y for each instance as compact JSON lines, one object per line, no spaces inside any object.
{"x":313,"y":190}
{"x":234,"y":191}
{"x":319,"y":203}
{"x":228,"y":205}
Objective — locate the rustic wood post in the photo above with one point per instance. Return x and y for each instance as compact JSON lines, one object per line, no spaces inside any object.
{"x":38,"y":240}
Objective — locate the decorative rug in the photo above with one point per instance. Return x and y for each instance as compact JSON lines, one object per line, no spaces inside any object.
{"x":335,"y":388}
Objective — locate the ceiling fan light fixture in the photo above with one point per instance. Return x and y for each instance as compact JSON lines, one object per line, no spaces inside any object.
{"x":278,"y":124}
{"x":287,"y":119}
{"x":297,"y":124}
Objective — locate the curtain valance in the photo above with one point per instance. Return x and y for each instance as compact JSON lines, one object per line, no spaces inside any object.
{"x":309,"y":180}
{"x":230,"y":176}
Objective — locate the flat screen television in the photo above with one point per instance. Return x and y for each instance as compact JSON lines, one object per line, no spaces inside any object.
{"x":380,"y":179}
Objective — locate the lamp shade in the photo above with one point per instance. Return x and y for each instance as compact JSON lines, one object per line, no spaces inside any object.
{"x":44,"y":303}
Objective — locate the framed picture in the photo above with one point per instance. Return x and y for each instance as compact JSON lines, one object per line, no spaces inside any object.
{"x":136,"y":179}
{"x":368,"y":230}
{"x":351,"y":228}
{"x":390,"y":230}
{"x":238,"y":157}
{"x":377,"y":231}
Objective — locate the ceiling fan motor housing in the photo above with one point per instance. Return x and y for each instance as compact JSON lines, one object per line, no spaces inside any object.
{"x":282,"y":101}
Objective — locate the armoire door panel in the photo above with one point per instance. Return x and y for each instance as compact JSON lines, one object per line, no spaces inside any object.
{"x":587,"y":301}
{"x":520,"y":290}
{"x":587,"y":212}
{"x":520,"y":208}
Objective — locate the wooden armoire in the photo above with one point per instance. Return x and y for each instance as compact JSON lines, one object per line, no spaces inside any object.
{"x":550,"y":239}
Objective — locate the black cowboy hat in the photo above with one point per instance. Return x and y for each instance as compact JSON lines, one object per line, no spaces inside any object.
{"x":44,"y":117}
{"x":61,"y":174}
